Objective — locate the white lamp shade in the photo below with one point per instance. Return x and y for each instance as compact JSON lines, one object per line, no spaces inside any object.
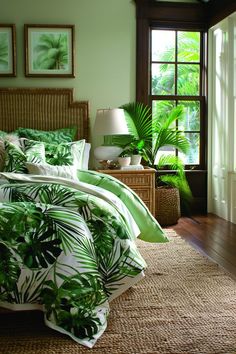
{"x":107,"y":152}
{"x":110,"y":122}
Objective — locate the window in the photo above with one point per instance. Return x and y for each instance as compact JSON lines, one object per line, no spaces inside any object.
{"x":177,"y":78}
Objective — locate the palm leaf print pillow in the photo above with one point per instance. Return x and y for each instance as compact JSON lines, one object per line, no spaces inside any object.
{"x":64,"y":154}
{"x":16,"y":157}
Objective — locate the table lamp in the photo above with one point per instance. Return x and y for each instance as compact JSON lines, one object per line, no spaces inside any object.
{"x":109,"y":122}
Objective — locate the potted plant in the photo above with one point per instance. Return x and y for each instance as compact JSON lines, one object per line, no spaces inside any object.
{"x":124,"y":158}
{"x":173,"y":193}
{"x":157,"y":133}
{"x":136,"y":148}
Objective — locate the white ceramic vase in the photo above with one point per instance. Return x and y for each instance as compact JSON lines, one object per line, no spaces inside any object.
{"x":136,"y":159}
{"x":124,"y":161}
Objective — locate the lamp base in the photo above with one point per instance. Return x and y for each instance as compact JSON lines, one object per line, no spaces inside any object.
{"x":107,"y":152}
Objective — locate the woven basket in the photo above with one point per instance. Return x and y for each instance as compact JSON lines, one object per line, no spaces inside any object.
{"x":167,"y":205}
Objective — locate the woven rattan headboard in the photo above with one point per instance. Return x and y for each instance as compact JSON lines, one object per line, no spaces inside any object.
{"x":42,"y":108}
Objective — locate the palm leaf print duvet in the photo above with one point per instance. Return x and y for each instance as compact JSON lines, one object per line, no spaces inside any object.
{"x":67,"y":248}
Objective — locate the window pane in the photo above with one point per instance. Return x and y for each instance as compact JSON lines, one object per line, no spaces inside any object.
{"x":193,"y":155}
{"x":163,"y":45}
{"x":162,"y":108}
{"x":166,"y":151}
{"x":188,"y":46}
{"x":192,"y":115}
{"x":188,"y":79}
{"x":163,"y":79}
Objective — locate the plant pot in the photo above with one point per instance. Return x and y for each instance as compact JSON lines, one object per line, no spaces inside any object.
{"x":124,"y":161}
{"x":167,"y":205}
{"x":136,"y":159}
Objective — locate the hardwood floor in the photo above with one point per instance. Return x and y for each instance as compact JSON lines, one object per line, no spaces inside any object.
{"x":211,"y":235}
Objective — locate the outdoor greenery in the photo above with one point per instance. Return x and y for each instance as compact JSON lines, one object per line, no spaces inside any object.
{"x":175,"y":70}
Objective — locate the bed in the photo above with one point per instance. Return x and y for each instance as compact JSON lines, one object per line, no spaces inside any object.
{"x":67,"y":234}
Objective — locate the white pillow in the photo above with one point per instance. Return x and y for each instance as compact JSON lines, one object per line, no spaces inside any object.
{"x":50,"y":170}
{"x":85,"y":161}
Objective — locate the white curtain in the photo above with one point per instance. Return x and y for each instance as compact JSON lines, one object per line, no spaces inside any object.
{"x":221,"y":117}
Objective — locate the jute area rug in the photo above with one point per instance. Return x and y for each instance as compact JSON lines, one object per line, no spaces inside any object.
{"x":185,"y":304}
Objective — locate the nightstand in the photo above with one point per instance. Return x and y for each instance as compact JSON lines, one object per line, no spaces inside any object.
{"x":140,"y":181}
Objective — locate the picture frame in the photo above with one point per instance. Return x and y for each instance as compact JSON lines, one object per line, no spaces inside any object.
{"x":49,"y":50}
{"x":7,"y":50}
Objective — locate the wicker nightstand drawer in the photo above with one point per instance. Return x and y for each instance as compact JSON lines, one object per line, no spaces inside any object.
{"x":141,"y":181}
{"x":135,"y":180}
{"x":144,"y":194}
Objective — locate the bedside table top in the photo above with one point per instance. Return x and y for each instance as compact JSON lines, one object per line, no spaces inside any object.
{"x":146,"y":170}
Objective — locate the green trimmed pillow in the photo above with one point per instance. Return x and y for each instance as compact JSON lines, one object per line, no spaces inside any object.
{"x":52,"y":136}
{"x":16,"y":157}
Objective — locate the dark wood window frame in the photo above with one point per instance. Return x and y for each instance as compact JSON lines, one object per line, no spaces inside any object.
{"x":201,"y":98}
{"x":177,"y":16}
{"x":192,"y":16}
{"x":173,"y":16}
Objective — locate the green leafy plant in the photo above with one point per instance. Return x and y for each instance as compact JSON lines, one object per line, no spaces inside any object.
{"x":155,"y":133}
{"x":125,"y":153}
{"x":136,"y":147}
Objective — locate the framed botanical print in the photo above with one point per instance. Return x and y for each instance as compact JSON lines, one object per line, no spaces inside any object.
{"x":7,"y":50}
{"x":49,"y":51}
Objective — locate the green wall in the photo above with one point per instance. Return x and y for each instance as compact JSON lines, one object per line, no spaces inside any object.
{"x":105,"y":47}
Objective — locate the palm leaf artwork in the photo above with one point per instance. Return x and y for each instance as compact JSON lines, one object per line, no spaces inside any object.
{"x":4,"y":59}
{"x":51,"y":52}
